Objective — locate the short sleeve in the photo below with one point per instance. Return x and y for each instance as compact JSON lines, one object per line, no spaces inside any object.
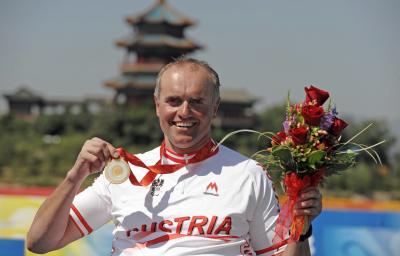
{"x":91,"y":208}
{"x":265,"y":215}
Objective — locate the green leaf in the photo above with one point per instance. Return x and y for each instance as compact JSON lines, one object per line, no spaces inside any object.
{"x":283,"y":153}
{"x":315,"y":157}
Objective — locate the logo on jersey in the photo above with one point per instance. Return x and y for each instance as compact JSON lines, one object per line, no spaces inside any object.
{"x":156,"y":186}
{"x":201,"y":226}
{"x":212,"y":189}
{"x":245,"y":249}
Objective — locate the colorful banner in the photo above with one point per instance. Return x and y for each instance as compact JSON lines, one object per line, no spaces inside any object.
{"x":16,"y":215}
{"x":345,"y":227}
{"x":356,"y":233}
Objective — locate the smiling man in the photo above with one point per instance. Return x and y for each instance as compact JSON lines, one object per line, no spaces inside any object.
{"x":205,"y":200}
{"x":187,"y":99}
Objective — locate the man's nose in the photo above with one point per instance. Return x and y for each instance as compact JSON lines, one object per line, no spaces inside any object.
{"x":184,"y":109}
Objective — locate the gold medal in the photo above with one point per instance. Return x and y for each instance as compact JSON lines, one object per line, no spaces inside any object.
{"x":117,"y":171}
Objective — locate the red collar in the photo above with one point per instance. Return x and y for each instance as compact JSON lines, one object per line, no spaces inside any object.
{"x":205,"y":152}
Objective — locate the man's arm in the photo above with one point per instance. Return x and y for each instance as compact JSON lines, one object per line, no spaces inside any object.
{"x":52,"y":228}
{"x":299,"y":248}
{"x":309,"y":204}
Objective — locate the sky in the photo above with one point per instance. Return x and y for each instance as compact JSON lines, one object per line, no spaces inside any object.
{"x":65,"y":49}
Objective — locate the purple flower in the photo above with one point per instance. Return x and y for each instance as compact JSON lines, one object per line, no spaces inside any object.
{"x":333,"y":111}
{"x":328,"y":119}
{"x":286,"y":126}
{"x":326,"y":122}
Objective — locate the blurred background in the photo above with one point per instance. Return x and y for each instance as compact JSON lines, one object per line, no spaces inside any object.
{"x":73,"y":70}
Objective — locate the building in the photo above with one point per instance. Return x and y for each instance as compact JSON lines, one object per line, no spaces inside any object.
{"x":158,"y":36}
{"x":27,"y":104}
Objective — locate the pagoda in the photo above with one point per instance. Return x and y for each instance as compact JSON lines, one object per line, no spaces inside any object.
{"x":158,"y":37}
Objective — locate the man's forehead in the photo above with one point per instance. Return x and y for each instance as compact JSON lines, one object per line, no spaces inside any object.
{"x":199,"y":90}
{"x":186,"y":71}
{"x":184,"y":67}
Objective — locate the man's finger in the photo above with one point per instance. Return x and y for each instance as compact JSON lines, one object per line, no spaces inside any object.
{"x":96,"y":151}
{"x":310,"y":193}
{"x":112,"y":150}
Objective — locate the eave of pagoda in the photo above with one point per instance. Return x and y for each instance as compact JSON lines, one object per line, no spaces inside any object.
{"x":141,"y":67}
{"x":161,"y":13}
{"x":142,"y":41}
{"x":134,"y":81}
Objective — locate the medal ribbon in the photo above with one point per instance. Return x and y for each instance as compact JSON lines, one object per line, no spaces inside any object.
{"x":159,"y":168}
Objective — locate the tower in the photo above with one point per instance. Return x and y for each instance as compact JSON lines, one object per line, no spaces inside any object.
{"x":158,"y":37}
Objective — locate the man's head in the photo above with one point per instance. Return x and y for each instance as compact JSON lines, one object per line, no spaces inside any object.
{"x":213,"y":75}
{"x":187,"y":99}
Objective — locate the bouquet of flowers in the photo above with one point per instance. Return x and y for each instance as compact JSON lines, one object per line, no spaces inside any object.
{"x":307,"y":150}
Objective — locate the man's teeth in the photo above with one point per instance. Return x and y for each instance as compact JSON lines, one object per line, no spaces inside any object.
{"x":184,"y":124}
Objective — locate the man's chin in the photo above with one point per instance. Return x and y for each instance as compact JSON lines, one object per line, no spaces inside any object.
{"x":183,"y":145}
{"x":186,"y":144}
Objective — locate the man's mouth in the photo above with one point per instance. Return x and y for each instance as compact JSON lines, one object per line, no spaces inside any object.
{"x":185,"y":124}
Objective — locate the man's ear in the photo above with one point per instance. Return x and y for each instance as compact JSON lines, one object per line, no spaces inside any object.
{"x":156,"y":103}
{"x":216,"y":106}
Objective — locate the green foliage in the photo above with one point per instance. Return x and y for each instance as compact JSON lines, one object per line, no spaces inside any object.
{"x":363,"y":178}
{"x":359,"y":179}
{"x":377,"y":132}
{"x":40,"y":152}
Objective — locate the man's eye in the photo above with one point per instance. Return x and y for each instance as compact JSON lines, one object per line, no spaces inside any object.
{"x":174,"y":101}
{"x":195,"y":102}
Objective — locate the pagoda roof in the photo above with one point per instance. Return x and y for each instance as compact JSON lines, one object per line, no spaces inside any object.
{"x":161,"y":12}
{"x":136,"y":81}
{"x":157,"y":40}
{"x":142,"y":67}
{"x":24,"y":93}
{"x":237,"y":96}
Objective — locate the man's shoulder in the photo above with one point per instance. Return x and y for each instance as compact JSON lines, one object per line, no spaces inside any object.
{"x":241,"y":167}
{"x":230,"y":157}
{"x":152,"y":155}
{"x":153,"y":151}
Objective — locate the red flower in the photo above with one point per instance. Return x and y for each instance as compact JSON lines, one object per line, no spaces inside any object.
{"x":337,"y":126}
{"x":278,"y":138}
{"x":313,"y":93}
{"x":299,"y":135}
{"x":312,"y":114}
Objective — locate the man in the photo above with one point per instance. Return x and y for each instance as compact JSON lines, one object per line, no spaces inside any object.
{"x":217,"y":202}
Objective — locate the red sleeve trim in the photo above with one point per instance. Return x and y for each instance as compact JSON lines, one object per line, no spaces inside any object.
{"x":83,"y":221}
{"x":77,"y":226}
{"x":273,"y":247}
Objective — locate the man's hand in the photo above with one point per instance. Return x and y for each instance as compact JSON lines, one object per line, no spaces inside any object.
{"x":93,"y":156}
{"x":52,"y":228}
{"x":309,"y":203}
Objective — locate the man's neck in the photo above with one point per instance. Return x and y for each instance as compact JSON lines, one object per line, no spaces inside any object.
{"x":191,"y":150}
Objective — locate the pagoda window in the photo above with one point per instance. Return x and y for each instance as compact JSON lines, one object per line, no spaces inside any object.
{"x":175,"y":31}
{"x":163,"y":29}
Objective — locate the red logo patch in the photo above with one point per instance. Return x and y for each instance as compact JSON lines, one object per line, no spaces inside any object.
{"x":212,"y":189}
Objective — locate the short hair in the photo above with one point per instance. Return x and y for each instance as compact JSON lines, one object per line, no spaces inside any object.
{"x":212,"y":74}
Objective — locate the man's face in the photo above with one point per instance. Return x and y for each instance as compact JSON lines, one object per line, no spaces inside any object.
{"x":186,"y":107}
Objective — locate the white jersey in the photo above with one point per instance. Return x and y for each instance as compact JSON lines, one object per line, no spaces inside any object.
{"x":223,"y":205}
